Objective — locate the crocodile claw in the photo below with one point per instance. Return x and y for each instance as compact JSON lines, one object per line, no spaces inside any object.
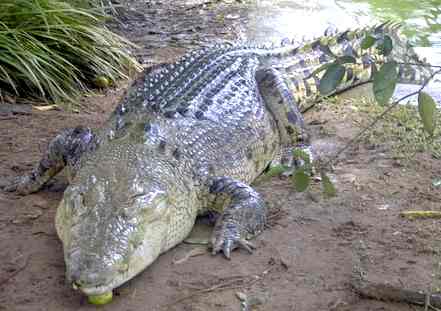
{"x":247,"y":245}
{"x":227,"y":243}
{"x":227,"y":246}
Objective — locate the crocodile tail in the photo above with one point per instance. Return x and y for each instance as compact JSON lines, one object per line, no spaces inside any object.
{"x":301,"y":63}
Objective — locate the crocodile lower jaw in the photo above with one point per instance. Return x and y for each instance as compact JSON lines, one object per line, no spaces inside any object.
{"x":102,"y":289}
{"x":134,"y":269}
{"x":116,"y":282}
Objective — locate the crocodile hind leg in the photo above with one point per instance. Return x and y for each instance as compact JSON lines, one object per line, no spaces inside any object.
{"x":276,"y":91}
{"x":243,"y":216}
{"x":65,"y":149}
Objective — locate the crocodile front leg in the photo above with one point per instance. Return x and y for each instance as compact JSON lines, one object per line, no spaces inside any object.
{"x":276,"y":91}
{"x":65,"y":149}
{"x":244,"y":215}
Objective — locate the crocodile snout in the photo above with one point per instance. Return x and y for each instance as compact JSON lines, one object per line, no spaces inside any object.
{"x":87,"y":273}
{"x":80,"y":280}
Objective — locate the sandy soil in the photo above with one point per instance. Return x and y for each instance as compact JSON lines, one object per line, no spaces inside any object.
{"x":304,"y":261}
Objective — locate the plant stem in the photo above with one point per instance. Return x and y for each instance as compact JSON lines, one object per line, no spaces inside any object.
{"x":380,"y":117}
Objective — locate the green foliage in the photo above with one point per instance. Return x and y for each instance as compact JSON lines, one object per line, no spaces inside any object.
{"x":52,"y":49}
{"x":301,"y":180}
{"x":386,"y":46}
{"x":336,"y":70}
{"x":276,"y":170}
{"x":328,"y":187}
{"x":302,"y":175}
{"x":368,"y":42}
{"x":400,"y":130}
{"x":385,"y":81}
{"x":427,"y":111}
{"x":103,"y":6}
{"x":331,"y":79}
{"x":300,"y":154}
{"x":420,"y":18}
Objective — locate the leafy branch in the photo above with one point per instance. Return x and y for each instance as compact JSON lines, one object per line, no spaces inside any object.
{"x":424,"y":103}
{"x":384,"y":83}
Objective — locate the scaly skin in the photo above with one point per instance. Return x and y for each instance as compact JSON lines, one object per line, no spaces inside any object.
{"x":188,"y":137}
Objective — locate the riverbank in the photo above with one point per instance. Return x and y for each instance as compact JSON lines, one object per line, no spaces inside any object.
{"x":305,"y":260}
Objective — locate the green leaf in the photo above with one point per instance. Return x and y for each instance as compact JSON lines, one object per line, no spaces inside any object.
{"x":331,"y":79}
{"x":320,"y":69}
{"x":347,"y":59}
{"x":386,"y":46}
{"x":427,"y":110}
{"x":328,"y":187}
{"x":299,"y":153}
{"x":276,"y":170}
{"x":385,"y":81}
{"x":368,"y":42}
{"x":301,"y":180}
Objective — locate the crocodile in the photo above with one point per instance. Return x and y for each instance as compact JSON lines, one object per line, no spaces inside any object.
{"x":187,"y":138}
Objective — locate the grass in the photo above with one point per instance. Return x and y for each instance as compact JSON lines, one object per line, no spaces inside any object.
{"x":401,"y":130}
{"x":53,"y":49}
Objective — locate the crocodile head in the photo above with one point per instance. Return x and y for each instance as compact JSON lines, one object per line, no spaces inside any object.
{"x":112,"y":220}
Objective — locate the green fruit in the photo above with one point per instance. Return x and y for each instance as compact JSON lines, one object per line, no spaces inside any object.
{"x":101,"y":82}
{"x":100,"y":299}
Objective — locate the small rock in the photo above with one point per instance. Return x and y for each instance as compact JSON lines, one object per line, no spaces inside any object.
{"x":285,"y":263}
{"x":241,"y":296}
{"x":383,"y":207}
{"x":21,"y":219}
{"x":15,"y":109}
{"x":38,"y":201}
{"x":436,"y":182}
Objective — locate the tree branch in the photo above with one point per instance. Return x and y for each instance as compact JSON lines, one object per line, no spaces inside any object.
{"x":380,"y":117}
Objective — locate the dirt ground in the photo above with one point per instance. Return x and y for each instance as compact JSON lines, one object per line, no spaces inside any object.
{"x":304,"y":261}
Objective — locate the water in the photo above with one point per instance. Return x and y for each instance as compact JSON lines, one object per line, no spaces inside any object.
{"x":275,"y":20}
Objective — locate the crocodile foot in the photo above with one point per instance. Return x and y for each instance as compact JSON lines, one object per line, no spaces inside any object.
{"x":243,"y":217}
{"x":226,"y":238}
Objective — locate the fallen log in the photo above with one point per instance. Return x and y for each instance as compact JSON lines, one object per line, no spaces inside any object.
{"x":385,"y":291}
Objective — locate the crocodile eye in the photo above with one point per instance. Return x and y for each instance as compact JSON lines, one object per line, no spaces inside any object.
{"x":131,"y":206}
{"x":77,"y":201}
{"x":138,"y":196}
{"x":127,"y":212}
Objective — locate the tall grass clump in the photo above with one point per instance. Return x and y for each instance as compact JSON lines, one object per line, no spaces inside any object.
{"x":53,"y":49}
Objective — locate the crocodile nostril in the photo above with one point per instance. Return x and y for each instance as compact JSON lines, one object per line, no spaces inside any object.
{"x":74,"y":278}
{"x":76,"y":284}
